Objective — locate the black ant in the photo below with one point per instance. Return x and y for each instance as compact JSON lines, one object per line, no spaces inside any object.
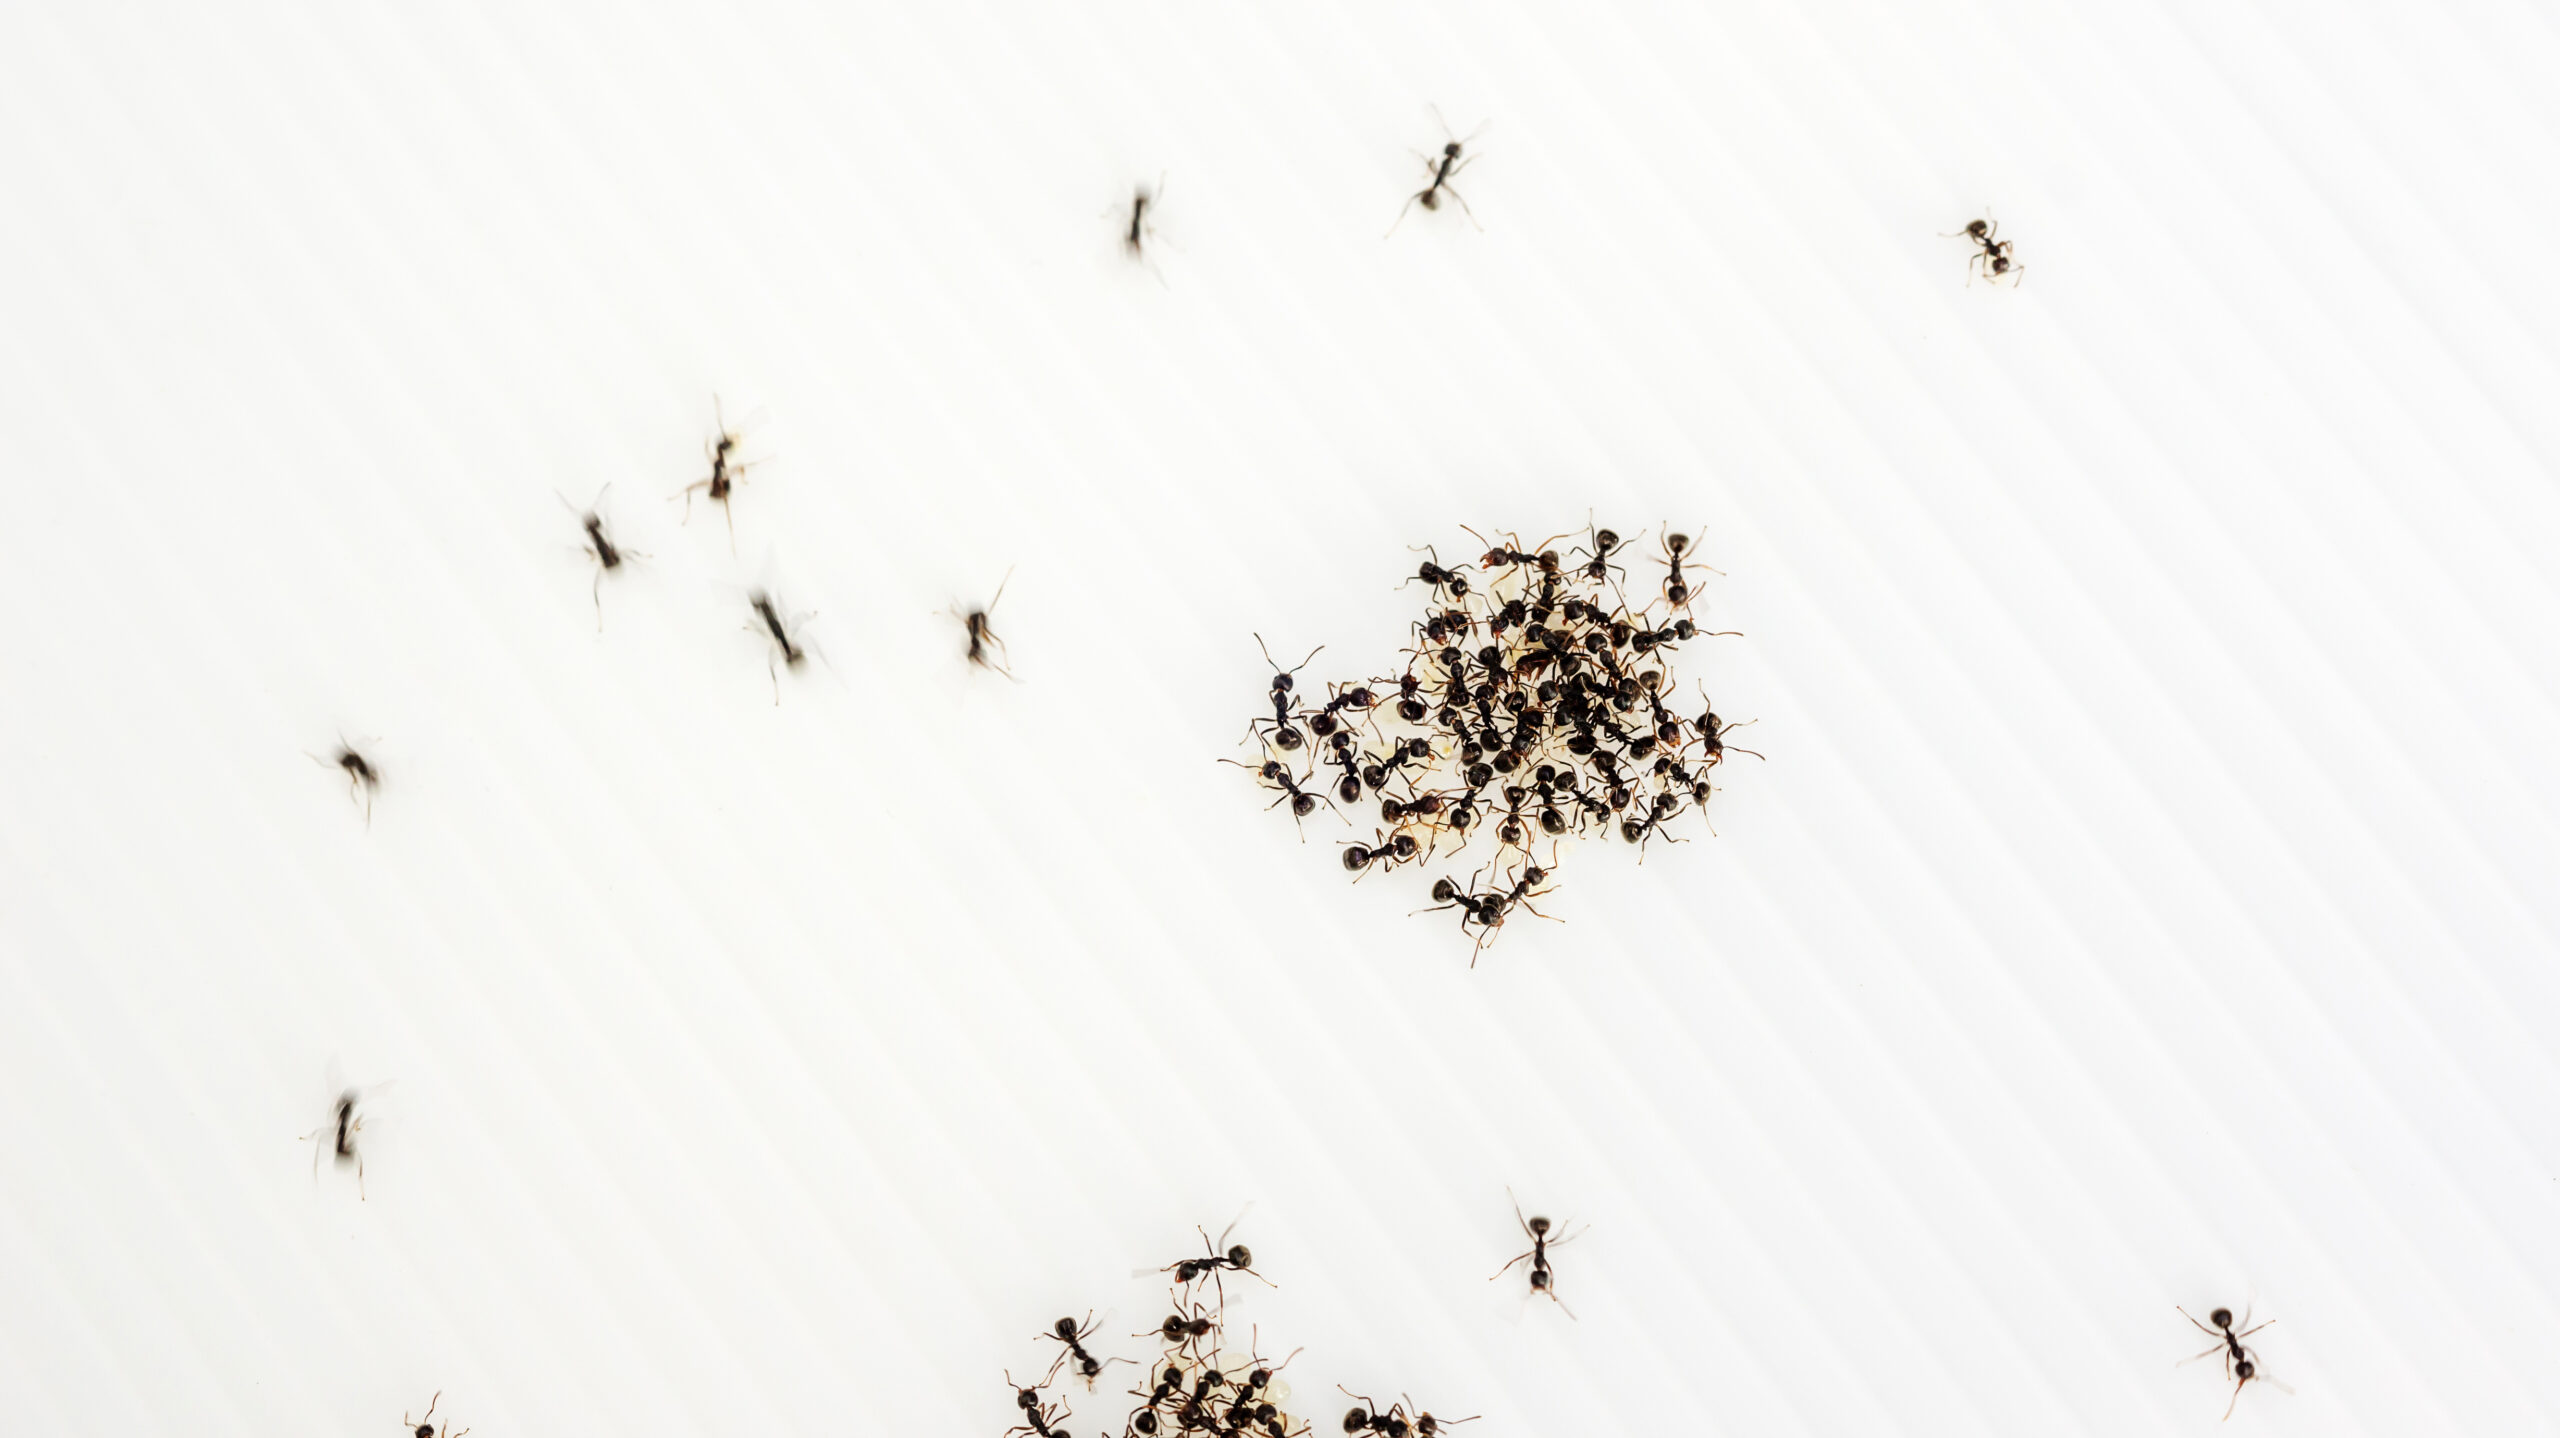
{"x":1427,"y":1426}
{"x":1497,"y":556}
{"x":1542,"y":1277}
{"x":1322,"y":723}
{"x":1604,"y":543}
{"x":1995,"y":258}
{"x":1438,"y":578}
{"x":1087,"y":1366}
{"x":2237,"y":1362}
{"x":724,"y":474}
{"x":1711,"y":732}
{"x":1390,"y":851}
{"x":1453,"y":158}
{"x":1675,"y":585}
{"x":1368,"y":1417}
{"x":1168,"y":1385}
{"x":1037,"y":1417}
{"x":1136,"y":240}
{"x":981,"y":634}
{"x":607,"y":555}
{"x":1237,"y":1258}
{"x":1283,"y":683}
{"x":347,"y":1123}
{"x":362,"y":779}
{"x":1189,"y":1328}
{"x":780,"y":633}
{"x":424,"y":1428}
{"x":1277,"y":775}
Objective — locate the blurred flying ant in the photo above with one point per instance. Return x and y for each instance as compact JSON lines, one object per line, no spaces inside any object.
{"x":1994,"y":258}
{"x":1141,"y":229}
{"x":724,"y":473}
{"x":790,"y":651}
{"x":1542,"y":1277}
{"x":1087,"y":1366}
{"x":1038,"y":1418}
{"x":982,"y":634}
{"x":1453,"y":158}
{"x":425,"y":1427}
{"x":2238,"y":1363}
{"x":600,"y":546}
{"x":362,"y":778}
{"x":343,"y":1126}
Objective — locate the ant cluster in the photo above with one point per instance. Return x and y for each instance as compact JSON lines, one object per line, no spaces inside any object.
{"x":1194,"y":1385}
{"x":1535,"y":701}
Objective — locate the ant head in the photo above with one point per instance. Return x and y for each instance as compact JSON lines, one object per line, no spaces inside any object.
{"x":2221,"y":1317}
{"x":1173,"y":1375}
{"x":1445,"y":891}
{"x":1259,"y":1378}
{"x":1240,"y":1256}
{"x":1453,"y":149}
{"x":1539,"y":1226}
{"x":1065,"y":1328}
{"x":1173,"y":1328}
{"x":1676,"y":543}
{"x":1977,"y":228}
{"x":1607,"y":539}
{"x":1355,"y":1420}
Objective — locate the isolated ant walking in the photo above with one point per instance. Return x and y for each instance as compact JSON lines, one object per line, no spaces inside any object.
{"x":600,"y":546}
{"x":724,"y":474}
{"x":347,"y":1123}
{"x":1453,"y":158}
{"x":791,"y":654}
{"x":2238,"y":1363}
{"x":981,"y":634}
{"x":1284,"y":683}
{"x":424,"y":1428}
{"x":362,"y":780}
{"x":1995,"y":258}
{"x":1542,"y":1277}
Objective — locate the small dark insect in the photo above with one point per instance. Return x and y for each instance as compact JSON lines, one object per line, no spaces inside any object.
{"x":1453,"y":158}
{"x":2238,"y":1363}
{"x":1187,"y":1328}
{"x":1438,"y":578}
{"x":1135,"y":241}
{"x":424,"y":1428}
{"x":1367,"y":1417}
{"x":1038,"y":1418}
{"x":600,"y":546}
{"x":724,"y":473}
{"x":1427,"y":1426}
{"x":981,"y":634}
{"x":791,"y":653}
{"x":1542,"y":1277}
{"x":343,"y":1126}
{"x":1995,"y":257}
{"x":1087,"y":1366}
{"x":1711,"y":732}
{"x":1237,"y":1258}
{"x":1284,"y":684}
{"x":1675,"y":585}
{"x":362,"y":778}
{"x":1604,"y":543}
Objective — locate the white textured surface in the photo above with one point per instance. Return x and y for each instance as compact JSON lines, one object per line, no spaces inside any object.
{"x":2147,"y":899}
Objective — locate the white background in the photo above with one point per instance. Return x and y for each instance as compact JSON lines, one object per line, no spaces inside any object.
{"x":2146,"y":900}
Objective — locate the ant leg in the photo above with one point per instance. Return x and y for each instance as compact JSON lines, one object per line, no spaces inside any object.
{"x":1465,"y":207}
{"x":359,"y":1177}
{"x":1506,"y":1268}
{"x":730,"y":513}
{"x":1400,"y":214}
{"x":595,"y":592}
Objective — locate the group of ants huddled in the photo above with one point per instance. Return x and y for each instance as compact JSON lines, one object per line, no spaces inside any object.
{"x":1535,"y":701}
{"x":1195,"y":1386}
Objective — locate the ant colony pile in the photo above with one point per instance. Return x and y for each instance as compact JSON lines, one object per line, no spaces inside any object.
{"x":1535,"y":702}
{"x":1195,"y":1384}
